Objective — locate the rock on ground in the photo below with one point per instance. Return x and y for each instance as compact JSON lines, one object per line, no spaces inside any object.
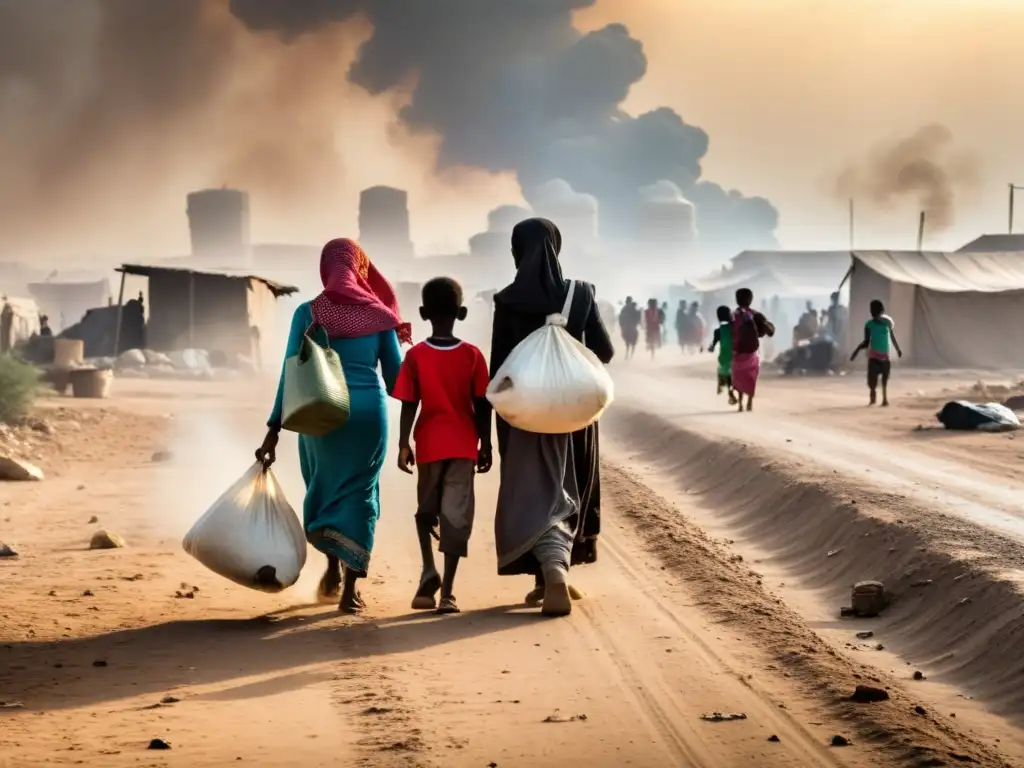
{"x":106,"y":540}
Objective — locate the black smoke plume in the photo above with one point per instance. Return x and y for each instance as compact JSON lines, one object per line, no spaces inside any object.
{"x":512,"y":85}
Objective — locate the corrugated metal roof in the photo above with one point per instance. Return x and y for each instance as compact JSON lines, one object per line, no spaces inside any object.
{"x":146,"y":270}
{"x":957,"y":272}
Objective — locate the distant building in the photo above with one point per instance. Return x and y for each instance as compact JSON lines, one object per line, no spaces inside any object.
{"x":218,"y":223}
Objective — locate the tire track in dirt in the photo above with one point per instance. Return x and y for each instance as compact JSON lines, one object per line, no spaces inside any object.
{"x":670,"y":709}
{"x":734,"y":594}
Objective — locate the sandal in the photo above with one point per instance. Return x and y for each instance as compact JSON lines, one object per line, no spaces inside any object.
{"x":448,"y":605}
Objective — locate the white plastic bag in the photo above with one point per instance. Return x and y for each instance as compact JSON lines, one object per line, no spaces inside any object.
{"x":551,"y":383}
{"x":251,"y":535}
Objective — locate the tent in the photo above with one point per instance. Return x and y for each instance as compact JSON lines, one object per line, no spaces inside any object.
{"x":951,"y":310}
{"x":788,"y":274}
{"x":994,"y":244}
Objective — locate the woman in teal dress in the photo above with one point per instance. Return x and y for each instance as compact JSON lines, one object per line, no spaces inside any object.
{"x":359,"y":312}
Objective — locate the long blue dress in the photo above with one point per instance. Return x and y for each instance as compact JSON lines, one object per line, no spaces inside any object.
{"x":342,"y":469}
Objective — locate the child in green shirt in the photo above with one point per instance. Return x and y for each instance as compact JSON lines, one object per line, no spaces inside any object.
{"x":722,"y":338}
{"x":878,"y":332}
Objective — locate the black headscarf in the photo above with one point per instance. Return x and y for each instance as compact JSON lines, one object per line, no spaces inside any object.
{"x":538,"y":286}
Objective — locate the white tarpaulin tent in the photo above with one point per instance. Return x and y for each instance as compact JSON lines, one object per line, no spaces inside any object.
{"x":788,"y":274}
{"x":951,"y":310}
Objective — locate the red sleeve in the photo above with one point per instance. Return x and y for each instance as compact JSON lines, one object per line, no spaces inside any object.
{"x":481,"y":378}
{"x":407,"y":385}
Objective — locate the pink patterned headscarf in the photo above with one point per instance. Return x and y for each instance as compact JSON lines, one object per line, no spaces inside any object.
{"x":357,"y":299}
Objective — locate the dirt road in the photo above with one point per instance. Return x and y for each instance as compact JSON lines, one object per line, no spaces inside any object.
{"x":104,"y":651}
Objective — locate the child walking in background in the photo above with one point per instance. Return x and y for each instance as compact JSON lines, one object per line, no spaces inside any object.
{"x":748,"y":328}
{"x":445,"y":379}
{"x":878,"y":331}
{"x":722,"y":338}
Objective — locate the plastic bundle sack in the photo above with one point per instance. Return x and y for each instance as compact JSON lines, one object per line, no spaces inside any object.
{"x":551,"y":383}
{"x":251,"y":535}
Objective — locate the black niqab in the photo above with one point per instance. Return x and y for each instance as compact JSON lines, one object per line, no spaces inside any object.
{"x":539,"y":287}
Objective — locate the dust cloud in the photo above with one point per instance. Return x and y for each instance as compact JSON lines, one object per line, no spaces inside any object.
{"x":922,"y":168}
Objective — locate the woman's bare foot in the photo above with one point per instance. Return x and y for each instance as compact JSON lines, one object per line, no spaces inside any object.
{"x":351,"y":602}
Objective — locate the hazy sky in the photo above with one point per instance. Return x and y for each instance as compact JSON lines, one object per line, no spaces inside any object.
{"x":791,"y":92}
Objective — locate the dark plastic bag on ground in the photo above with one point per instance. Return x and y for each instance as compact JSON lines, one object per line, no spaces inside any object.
{"x":963,"y":416}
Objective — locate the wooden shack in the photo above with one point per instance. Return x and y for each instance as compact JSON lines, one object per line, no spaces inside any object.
{"x":215,"y":310}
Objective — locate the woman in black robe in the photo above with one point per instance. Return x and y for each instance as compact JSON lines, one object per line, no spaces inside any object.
{"x":549,"y":500}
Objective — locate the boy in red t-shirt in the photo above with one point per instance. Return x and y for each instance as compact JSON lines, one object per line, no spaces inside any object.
{"x":446,"y":379}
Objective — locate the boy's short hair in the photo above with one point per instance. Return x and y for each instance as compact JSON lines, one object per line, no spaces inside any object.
{"x":724,"y":313}
{"x":877,"y":308}
{"x":442,"y":297}
{"x":744,"y":297}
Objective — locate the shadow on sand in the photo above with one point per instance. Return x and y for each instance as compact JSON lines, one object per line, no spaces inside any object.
{"x":156,"y":659}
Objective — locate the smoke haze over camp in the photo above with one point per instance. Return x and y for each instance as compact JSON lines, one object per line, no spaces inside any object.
{"x":110,"y":113}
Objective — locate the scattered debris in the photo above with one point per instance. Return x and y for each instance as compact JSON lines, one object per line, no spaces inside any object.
{"x":840,"y":741}
{"x":106,"y":540}
{"x":922,"y":583}
{"x":11,"y":705}
{"x":376,"y":711}
{"x":557,"y":718}
{"x":867,"y":694}
{"x":865,"y":635}
{"x":17,"y":471}
{"x":7,"y":551}
{"x":186,"y":595}
{"x":919,"y":675}
{"x":834,"y":552}
{"x":868,"y":598}
{"x":158,"y":744}
{"x":965,"y":601}
{"x":718,"y":717}
{"x":136,"y":577}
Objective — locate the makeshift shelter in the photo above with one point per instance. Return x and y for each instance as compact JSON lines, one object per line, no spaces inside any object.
{"x":220,"y":311}
{"x":951,"y":310}
{"x":24,"y":318}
